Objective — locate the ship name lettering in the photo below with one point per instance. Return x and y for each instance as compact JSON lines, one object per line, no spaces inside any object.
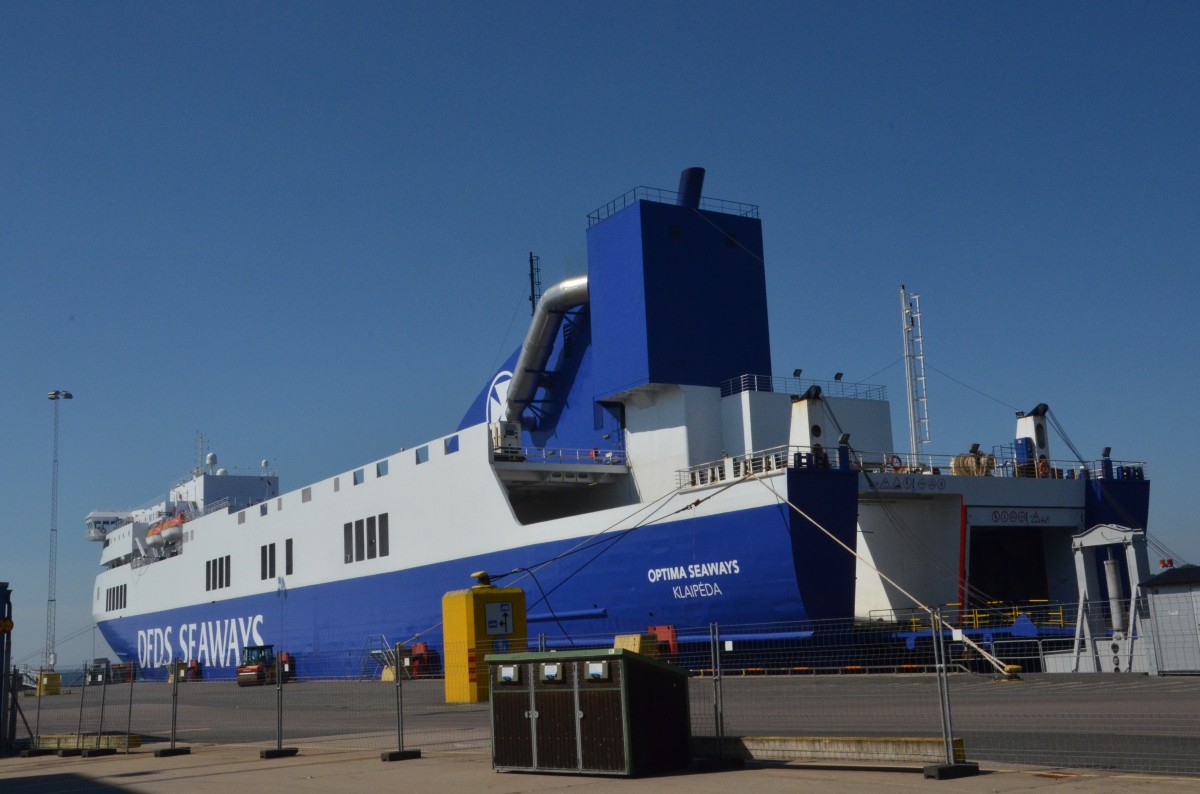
{"x":154,"y":647}
{"x":698,"y":590}
{"x":694,"y":571}
{"x":909,"y":482}
{"x":1019,"y":517}
{"x":213,"y":643}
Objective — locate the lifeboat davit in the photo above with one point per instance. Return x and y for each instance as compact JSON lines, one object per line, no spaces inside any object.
{"x":169,"y":530}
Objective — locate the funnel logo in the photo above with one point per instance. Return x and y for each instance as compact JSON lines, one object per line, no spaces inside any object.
{"x":498,"y":396}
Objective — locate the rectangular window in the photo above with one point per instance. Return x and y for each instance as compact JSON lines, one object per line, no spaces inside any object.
{"x":306,"y":495}
{"x":360,"y":476}
{"x":422,"y":454}
{"x":337,"y":484}
{"x":228,"y":572}
{"x":208,"y":575}
{"x":262,"y":509}
{"x":262,"y":562}
{"x":359,"y":545}
{"x":279,"y":504}
{"x":219,"y":565}
{"x":371,"y":537}
{"x":287,"y":557}
{"x":451,"y":445}
{"x":381,"y":468}
{"x":242,"y":517}
{"x":271,"y":561}
{"x":348,"y":532}
{"x":383,"y":534}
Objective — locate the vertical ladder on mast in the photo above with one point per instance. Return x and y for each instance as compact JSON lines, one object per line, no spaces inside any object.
{"x":914,"y":374}
{"x":535,"y":282}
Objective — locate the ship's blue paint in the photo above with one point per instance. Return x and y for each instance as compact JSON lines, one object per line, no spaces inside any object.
{"x":604,"y":585}
{"x":818,"y":559}
{"x":678,"y":295}
{"x":1125,"y":503}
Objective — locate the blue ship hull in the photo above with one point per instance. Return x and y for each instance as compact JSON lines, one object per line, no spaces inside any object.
{"x":751,"y":566}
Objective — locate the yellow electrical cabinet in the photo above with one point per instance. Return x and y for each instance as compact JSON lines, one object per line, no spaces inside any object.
{"x":49,"y":683}
{"x":475,"y":622}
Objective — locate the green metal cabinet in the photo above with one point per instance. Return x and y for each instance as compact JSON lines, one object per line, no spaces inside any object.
{"x":602,"y":712}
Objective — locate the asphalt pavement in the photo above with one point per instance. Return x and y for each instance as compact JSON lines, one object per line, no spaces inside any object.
{"x":222,"y":769}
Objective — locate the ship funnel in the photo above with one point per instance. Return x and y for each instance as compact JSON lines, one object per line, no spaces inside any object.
{"x":691,"y":183}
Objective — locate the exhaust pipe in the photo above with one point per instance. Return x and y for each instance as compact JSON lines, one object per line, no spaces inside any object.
{"x":539,"y":342}
{"x":691,"y":183}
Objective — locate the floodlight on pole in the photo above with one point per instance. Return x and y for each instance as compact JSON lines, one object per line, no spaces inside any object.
{"x":55,"y":396}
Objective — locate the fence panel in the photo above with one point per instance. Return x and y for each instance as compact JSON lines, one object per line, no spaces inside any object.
{"x":799,"y":683}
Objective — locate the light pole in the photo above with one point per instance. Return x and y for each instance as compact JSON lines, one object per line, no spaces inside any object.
{"x":55,"y":396}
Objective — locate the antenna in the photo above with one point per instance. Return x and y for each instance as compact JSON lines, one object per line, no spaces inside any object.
{"x":535,"y":282}
{"x":56,"y":396}
{"x":201,"y":443}
{"x":914,"y":372}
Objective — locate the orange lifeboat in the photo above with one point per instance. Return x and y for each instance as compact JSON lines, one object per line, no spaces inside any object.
{"x":169,"y":530}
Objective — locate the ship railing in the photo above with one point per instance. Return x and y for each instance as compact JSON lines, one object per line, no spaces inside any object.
{"x":996,"y":464}
{"x":772,"y":459}
{"x":230,"y":503}
{"x":734,"y":467}
{"x":798,"y":386}
{"x":1041,"y":612}
{"x":235,"y":471}
{"x":643,"y":193}
{"x":598,"y":457}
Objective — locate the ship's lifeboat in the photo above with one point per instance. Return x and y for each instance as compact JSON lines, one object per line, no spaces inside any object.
{"x":169,"y":530}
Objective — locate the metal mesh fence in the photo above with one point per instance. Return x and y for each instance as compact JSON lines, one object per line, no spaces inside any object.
{"x":841,"y":690}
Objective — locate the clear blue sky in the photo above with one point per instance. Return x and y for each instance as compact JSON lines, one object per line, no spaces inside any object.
{"x":302,"y":228}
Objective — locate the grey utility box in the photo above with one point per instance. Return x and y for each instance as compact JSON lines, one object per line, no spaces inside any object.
{"x":1173,"y":597}
{"x":600,"y":712}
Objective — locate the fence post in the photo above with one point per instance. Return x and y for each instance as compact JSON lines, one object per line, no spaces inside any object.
{"x":79,"y":724}
{"x":103,"y":701}
{"x":939,"y":665}
{"x":129,"y":714}
{"x":714,"y":634}
{"x":399,"y":754}
{"x":172,"y":750}
{"x":279,"y":750}
{"x":35,"y":741}
{"x":952,"y":768}
{"x":88,"y":671}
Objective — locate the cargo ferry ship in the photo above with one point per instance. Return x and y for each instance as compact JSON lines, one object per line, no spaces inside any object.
{"x":635,"y":463}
